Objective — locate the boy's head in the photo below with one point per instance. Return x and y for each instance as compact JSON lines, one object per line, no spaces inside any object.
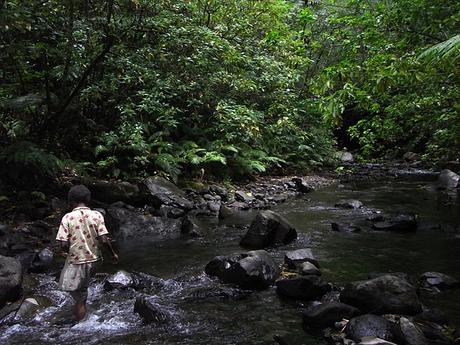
{"x":79,"y":195}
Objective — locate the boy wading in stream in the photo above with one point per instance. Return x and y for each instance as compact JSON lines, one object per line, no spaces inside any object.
{"x":80,"y":234}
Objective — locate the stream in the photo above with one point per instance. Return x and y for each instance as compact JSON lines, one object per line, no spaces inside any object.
{"x":200,"y":310}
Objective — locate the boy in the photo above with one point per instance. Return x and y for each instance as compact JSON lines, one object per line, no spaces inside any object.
{"x":80,"y":233}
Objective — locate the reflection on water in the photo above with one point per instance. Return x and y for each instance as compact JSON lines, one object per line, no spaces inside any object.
{"x":202,"y":311}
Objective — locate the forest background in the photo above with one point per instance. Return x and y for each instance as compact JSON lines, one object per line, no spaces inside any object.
{"x":126,"y":89}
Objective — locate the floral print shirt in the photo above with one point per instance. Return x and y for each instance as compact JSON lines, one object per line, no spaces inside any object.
{"x":81,"y":228}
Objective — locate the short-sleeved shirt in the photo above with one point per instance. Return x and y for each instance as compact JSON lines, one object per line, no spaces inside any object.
{"x":81,"y":228}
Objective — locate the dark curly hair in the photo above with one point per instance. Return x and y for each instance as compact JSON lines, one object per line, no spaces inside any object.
{"x":79,"y":194}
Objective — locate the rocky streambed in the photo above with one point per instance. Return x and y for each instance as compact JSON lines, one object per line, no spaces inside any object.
{"x":204,"y":266}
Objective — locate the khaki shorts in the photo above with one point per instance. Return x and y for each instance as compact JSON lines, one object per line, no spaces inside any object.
{"x":75,"y":279}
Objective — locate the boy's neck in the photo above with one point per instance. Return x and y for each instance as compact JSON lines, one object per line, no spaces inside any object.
{"x":80,"y":205}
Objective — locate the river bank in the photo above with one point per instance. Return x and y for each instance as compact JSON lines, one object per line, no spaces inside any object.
{"x":173,"y":260}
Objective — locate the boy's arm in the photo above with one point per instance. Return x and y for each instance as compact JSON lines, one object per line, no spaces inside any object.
{"x":106,"y":240}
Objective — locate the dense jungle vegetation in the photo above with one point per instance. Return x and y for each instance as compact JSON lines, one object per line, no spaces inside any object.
{"x":235,"y":87}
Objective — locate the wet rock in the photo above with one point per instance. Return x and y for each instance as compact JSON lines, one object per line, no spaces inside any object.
{"x":294,"y":258}
{"x":431,"y":315}
{"x":119,"y":280}
{"x":31,"y":306}
{"x":302,"y":186}
{"x":42,"y":261}
{"x":243,"y":196}
{"x":307,"y":268}
{"x":169,"y":212}
{"x":354,"y":204}
{"x":346,"y":157}
{"x":434,"y":333}
{"x":399,"y":223}
{"x":438,"y":280}
{"x":190,"y":227}
{"x":134,"y":223}
{"x":214,"y":206}
{"x":167,"y":193}
{"x":3,"y":229}
{"x":268,"y":229}
{"x":385,"y":294}
{"x":150,"y":311}
{"x":250,"y":270}
{"x":448,"y":179}
{"x":10,"y":279}
{"x":305,"y":287}
{"x":341,"y":227}
{"x":221,"y":191}
{"x":326,"y":314}
{"x":225,"y":212}
{"x":401,"y":275}
{"x":224,"y":293}
{"x":410,"y":333}
{"x":369,"y":326}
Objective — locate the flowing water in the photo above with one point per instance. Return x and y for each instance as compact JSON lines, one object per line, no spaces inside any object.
{"x":203,"y":311}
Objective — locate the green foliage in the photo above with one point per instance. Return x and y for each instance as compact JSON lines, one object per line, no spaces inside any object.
{"x":23,"y":160}
{"x":448,"y":50}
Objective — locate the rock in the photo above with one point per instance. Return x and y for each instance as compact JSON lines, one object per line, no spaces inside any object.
{"x":221,"y":191}
{"x":250,"y":270}
{"x":134,"y":223}
{"x":110,"y":192}
{"x":374,"y":341}
{"x":326,"y":314}
{"x":448,"y":179}
{"x":119,"y":280}
{"x":225,"y":212}
{"x":346,"y":157}
{"x":294,"y":258}
{"x":42,"y":261}
{"x":305,"y":287}
{"x":411,"y":333}
{"x":340,"y":227}
{"x":59,"y":205}
{"x":431,"y":316}
{"x":190,"y":227}
{"x":369,"y":326}
{"x":438,"y":280}
{"x":243,"y":196}
{"x":399,"y":223}
{"x":224,"y":293}
{"x":150,"y":311}
{"x":170,"y":212}
{"x":307,"y":268}
{"x":167,"y":193}
{"x":31,"y":306}
{"x":268,"y":229}
{"x":301,"y":185}
{"x":411,"y":157}
{"x":354,"y":204}
{"x":10,"y":279}
{"x":214,"y":206}
{"x":435,"y":333}
{"x":385,"y":294}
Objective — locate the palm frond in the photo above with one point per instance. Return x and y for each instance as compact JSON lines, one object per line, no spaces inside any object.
{"x":448,"y":50}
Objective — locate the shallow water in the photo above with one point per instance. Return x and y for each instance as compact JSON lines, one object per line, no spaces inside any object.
{"x":202,"y":311}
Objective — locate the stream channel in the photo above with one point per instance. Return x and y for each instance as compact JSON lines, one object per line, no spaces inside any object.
{"x":200,"y":310}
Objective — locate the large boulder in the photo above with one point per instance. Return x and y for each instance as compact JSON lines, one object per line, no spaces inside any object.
{"x":305,"y":287}
{"x":133,"y":223}
{"x":10,"y":279}
{"x":268,"y":229}
{"x":326,"y":314}
{"x":447,"y":179}
{"x":399,"y":223}
{"x":301,"y":185}
{"x":369,"y":326}
{"x":164,"y":192}
{"x":294,"y":258}
{"x":150,"y":311}
{"x":384,"y":294}
{"x":250,"y":270}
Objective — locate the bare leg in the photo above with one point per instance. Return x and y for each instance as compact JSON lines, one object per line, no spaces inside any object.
{"x":80,"y":310}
